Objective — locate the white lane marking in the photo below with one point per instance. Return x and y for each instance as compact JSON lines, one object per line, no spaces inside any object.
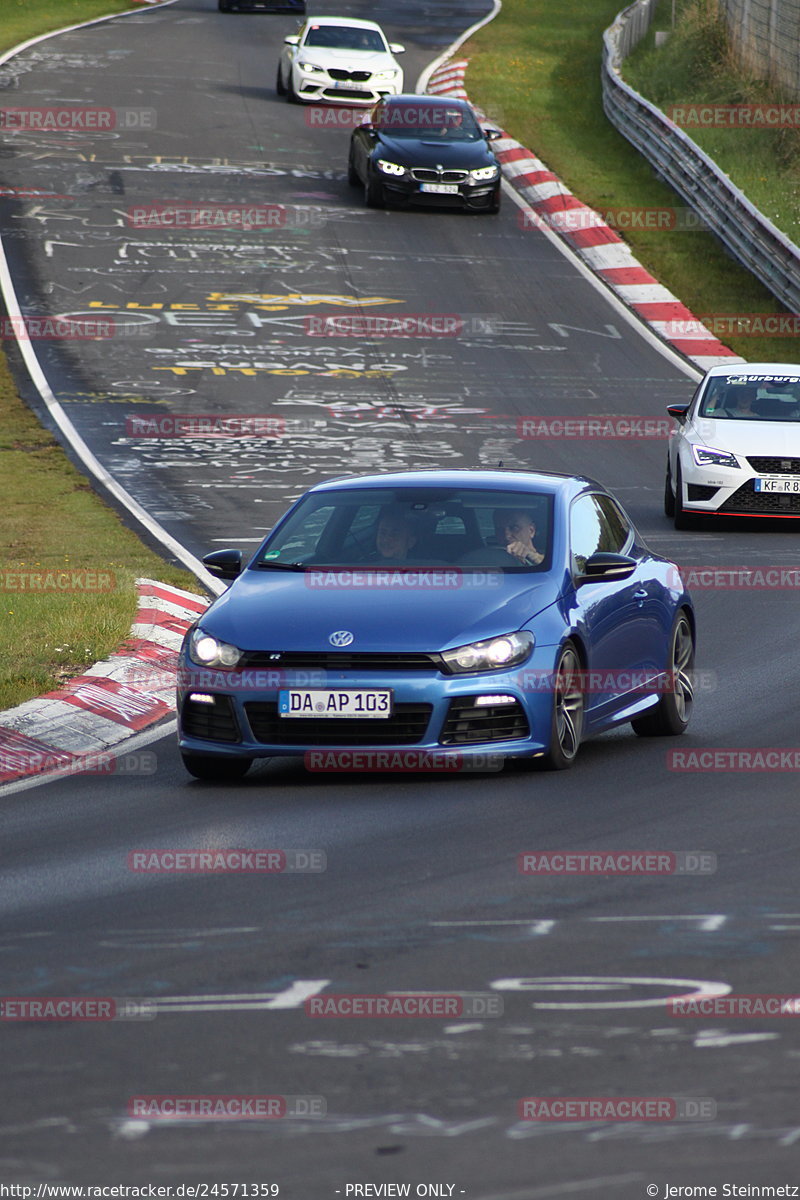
{"x":292,"y":997}
{"x":561,"y":1189}
{"x":454,"y":47}
{"x":708,"y":921}
{"x":697,"y":988}
{"x":731,"y":1039}
{"x":465,"y":1028}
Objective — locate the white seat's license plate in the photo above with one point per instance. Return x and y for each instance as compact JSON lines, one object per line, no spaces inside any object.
{"x":341,"y":702}
{"x":449,"y":189}
{"x":771,"y":484}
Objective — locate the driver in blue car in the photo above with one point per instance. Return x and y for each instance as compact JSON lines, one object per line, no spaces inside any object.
{"x":516,"y":529}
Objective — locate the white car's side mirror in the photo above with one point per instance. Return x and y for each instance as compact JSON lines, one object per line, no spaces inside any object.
{"x":292,"y":40}
{"x":396,"y":48}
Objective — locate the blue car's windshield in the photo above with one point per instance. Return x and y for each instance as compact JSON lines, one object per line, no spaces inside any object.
{"x":752,"y":397}
{"x":416,"y":528}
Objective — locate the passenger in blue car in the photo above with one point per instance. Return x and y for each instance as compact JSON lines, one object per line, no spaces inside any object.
{"x":395,"y":536}
{"x":515,"y":529}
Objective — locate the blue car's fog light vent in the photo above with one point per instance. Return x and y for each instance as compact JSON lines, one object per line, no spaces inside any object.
{"x":470,"y":722}
{"x":405,"y":727}
{"x":215,"y":721}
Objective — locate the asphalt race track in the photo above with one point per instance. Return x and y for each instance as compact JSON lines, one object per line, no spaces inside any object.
{"x":422,"y":891}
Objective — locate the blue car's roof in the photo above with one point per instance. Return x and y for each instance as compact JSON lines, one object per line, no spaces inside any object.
{"x":549,"y":482}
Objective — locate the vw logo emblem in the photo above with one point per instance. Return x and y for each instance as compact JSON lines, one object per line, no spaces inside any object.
{"x":342,"y":637}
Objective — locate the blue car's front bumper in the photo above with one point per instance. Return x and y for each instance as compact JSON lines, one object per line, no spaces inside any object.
{"x":431,"y":712}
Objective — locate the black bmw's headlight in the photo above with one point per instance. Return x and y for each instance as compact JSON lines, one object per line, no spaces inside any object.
{"x":490,"y":655}
{"x":388,"y":167}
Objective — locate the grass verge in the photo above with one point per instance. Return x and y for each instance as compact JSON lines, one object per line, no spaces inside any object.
{"x":52,"y":519}
{"x":536,"y":68}
{"x":696,"y":66}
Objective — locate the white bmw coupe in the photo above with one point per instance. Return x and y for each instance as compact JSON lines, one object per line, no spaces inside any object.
{"x":339,"y":60}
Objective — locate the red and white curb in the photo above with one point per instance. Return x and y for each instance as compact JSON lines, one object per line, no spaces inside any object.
{"x":551,"y":203}
{"x":131,"y":690}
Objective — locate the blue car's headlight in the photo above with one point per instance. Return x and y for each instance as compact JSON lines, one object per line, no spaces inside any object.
{"x":491,"y":655}
{"x":208,"y":651}
{"x":705,"y":456}
{"x":390,"y":168}
{"x":483,"y":174}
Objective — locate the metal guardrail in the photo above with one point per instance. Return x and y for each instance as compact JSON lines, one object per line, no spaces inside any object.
{"x":748,"y":234}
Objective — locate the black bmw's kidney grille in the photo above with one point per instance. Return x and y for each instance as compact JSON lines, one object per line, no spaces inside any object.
{"x":431,"y":175}
{"x":336,"y":660}
{"x":775,"y":466}
{"x":356,"y":76}
{"x":404,"y":727}
{"x":747,"y":500}
{"x":216,"y":721}
{"x":488,"y":723}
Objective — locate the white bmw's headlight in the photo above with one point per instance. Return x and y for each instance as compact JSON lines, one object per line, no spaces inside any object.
{"x":208,"y":651}
{"x":306,"y":66}
{"x":482,"y":174}
{"x":385,"y":74}
{"x":490,"y":655}
{"x":705,"y":456}
{"x":390,"y":168}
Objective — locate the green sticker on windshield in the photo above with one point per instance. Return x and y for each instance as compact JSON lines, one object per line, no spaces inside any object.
{"x":272,"y":554}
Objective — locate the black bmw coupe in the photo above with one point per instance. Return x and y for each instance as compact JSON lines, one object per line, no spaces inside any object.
{"x":425,"y":150}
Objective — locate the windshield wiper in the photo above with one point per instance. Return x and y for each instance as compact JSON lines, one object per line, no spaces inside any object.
{"x":280,"y":566}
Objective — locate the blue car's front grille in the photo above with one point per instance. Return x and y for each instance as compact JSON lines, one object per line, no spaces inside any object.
{"x":216,"y":721}
{"x":467,"y":722}
{"x":336,"y":660}
{"x":406,"y":726}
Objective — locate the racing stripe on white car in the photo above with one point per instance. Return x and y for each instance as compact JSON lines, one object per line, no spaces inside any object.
{"x":597,"y":244}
